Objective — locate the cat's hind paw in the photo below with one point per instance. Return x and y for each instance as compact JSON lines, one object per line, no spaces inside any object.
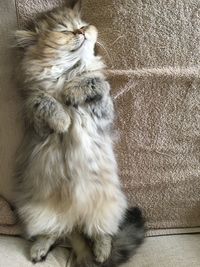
{"x":38,"y":253}
{"x":102,"y":248}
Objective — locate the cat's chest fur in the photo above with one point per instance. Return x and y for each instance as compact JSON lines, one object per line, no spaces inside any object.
{"x":87,"y":149}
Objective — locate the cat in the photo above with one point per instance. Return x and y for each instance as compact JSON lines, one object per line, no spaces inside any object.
{"x":67,"y":185}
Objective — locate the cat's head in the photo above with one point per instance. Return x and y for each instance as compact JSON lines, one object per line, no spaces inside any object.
{"x":59,"y":38}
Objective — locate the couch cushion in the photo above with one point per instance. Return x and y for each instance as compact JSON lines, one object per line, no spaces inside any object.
{"x":166,"y":251}
{"x":10,"y":128}
{"x":154,"y":51}
{"x":14,"y":252}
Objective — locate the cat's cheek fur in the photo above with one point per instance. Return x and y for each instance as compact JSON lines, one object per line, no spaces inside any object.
{"x":91,"y":33}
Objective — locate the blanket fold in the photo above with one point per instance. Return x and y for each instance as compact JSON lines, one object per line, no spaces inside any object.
{"x":8,"y":221}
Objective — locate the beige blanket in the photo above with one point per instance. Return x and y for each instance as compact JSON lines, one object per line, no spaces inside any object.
{"x":153,"y":54}
{"x":8,"y":222}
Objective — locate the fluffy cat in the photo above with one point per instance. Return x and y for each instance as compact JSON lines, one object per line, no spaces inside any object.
{"x":67,"y":181}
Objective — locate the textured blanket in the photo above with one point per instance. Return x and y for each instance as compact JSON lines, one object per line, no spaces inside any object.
{"x":8,"y":222}
{"x":153,"y":57}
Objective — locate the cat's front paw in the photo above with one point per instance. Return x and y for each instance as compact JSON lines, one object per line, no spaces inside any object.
{"x":85,"y":91}
{"x":97,"y":88}
{"x":60,"y":123}
{"x":94,"y":94}
{"x":74,"y":96}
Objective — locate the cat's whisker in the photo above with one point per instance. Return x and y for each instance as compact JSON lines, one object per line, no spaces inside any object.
{"x":119,"y":37}
{"x":108,"y":55}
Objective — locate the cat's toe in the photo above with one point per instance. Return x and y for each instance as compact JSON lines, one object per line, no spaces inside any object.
{"x":38,"y":254}
{"x":101,"y":254}
{"x":93,"y":82}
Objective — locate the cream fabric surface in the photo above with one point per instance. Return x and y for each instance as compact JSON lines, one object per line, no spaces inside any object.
{"x":14,"y":252}
{"x":8,"y":222}
{"x":166,"y":251}
{"x":154,"y":55}
{"x":10,"y":126}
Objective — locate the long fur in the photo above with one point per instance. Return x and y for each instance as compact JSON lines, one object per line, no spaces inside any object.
{"x":124,"y":244}
{"x":66,"y":171}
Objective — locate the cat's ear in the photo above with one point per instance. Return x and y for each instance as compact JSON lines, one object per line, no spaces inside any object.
{"x":75,"y":5}
{"x":25,"y":38}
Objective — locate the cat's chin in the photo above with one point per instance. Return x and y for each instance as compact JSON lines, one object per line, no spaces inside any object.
{"x":79,"y":45}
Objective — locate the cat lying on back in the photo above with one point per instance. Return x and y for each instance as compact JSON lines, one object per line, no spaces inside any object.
{"x":67,"y":181}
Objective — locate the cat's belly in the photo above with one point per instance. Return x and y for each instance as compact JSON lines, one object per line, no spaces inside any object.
{"x":97,"y":199}
{"x":81,"y":173}
{"x":88,"y":150}
{"x":91,"y":208}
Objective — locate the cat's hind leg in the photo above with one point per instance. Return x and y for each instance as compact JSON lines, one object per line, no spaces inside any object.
{"x":41,"y":247}
{"x":102,"y":245}
{"x":81,"y":249}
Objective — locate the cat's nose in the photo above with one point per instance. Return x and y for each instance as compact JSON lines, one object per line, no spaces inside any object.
{"x":80,"y":31}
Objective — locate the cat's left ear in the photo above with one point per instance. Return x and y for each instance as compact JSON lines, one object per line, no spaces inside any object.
{"x":75,"y":5}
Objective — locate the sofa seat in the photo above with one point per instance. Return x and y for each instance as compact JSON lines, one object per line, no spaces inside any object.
{"x":160,"y":251}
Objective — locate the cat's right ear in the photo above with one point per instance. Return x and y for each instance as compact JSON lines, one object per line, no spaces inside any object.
{"x":25,"y":38}
{"x":74,"y":4}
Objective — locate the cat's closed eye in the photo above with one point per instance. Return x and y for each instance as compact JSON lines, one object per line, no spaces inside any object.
{"x":62,"y":28}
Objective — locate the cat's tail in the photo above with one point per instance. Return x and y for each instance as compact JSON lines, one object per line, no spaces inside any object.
{"x":125,"y":243}
{"x":128,"y":239}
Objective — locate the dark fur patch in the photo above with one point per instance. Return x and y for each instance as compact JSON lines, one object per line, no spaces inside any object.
{"x":72,"y":3}
{"x":94,"y":98}
{"x":43,"y":258}
{"x":134,"y":215}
